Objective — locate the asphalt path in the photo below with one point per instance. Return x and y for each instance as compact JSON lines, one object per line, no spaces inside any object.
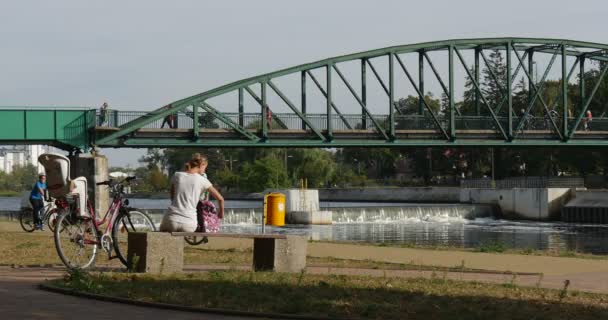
{"x":20,"y":298}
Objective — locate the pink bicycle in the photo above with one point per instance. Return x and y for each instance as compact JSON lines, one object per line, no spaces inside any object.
{"x":78,"y":236}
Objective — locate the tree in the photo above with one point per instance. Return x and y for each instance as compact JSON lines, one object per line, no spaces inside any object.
{"x":469,"y":95}
{"x":315,"y":165}
{"x":157,"y":180}
{"x":520,"y":99}
{"x":409,"y":105}
{"x":154,"y":157}
{"x":492,"y":87}
{"x":207,"y":120}
{"x":264,"y":173}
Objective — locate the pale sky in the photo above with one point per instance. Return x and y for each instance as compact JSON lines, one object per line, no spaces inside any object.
{"x":139,"y":55}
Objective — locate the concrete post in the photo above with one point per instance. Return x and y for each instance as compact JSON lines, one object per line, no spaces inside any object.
{"x":95,"y":169}
{"x":155,"y":252}
{"x":280,"y":255}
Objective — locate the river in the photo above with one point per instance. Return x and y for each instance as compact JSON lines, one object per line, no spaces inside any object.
{"x":413,"y":224}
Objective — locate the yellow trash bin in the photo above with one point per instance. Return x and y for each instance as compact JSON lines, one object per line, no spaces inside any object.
{"x":274,"y":208}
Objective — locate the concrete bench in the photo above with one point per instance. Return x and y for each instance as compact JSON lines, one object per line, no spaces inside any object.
{"x":163,"y":252}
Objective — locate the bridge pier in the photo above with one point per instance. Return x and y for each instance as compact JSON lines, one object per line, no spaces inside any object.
{"x":95,"y":169}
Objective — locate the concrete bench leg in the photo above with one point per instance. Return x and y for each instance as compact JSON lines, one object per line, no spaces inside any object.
{"x":155,"y":252}
{"x":280,"y":255}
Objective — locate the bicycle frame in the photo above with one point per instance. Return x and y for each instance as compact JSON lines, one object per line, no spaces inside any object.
{"x":48,"y":210}
{"x":112,"y":213}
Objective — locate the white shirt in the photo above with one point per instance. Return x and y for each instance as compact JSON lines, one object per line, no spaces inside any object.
{"x":188,"y":188}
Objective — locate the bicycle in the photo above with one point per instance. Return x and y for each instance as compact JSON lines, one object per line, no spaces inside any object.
{"x":79,"y":236}
{"x":26,"y":217}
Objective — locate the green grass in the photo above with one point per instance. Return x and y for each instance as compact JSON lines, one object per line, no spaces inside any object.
{"x":346,"y":296}
{"x":38,"y":248}
{"x":8,"y":193}
{"x":492,"y":246}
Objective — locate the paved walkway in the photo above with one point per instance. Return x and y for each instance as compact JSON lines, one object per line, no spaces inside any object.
{"x":584,"y":274}
{"x":21,"y":299}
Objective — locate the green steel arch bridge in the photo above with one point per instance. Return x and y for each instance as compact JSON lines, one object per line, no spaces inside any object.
{"x":328,"y":103}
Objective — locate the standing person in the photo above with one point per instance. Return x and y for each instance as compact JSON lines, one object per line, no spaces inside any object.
{"x":169,"y":119}
{"x":269,"y":117}
{"x":36,"y":197}
{"x":186,"y":190}
{"x":103,"y":113}
{"x":588,"y":119}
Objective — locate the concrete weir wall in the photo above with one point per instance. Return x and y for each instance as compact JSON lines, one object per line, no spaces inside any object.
{"x":528,"y":203}
{"x":414,"y":194}
{"x":517,"y":203}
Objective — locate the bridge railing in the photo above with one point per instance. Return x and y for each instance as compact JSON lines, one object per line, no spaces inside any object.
{"x":343,"y":122}
{"x":525,"y":182}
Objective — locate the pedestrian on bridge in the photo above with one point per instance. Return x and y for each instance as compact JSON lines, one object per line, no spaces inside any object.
{"x":103,"y":113}
{"x":588,"y":119}
{"x":169,"y":119}
{"x":269,"y":117}
{"x":36,"y":197}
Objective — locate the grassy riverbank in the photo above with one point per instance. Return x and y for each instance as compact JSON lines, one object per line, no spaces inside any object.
{"x":345,"y":296}
{"x":38,"y":248}
{"x":8,"y":193}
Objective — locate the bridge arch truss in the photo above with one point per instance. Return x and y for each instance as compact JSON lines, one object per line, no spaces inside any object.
{"x":490,"y":123}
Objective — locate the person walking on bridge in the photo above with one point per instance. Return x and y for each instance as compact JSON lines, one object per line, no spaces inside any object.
{"x":269,"y":117}
{"x":186,"y":190}
{"x":103,"y":114}
{"x":169,"y":119}
{"x":588,"y":119}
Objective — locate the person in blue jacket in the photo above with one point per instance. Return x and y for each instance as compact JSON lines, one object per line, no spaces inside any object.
{"x":36,"y":199}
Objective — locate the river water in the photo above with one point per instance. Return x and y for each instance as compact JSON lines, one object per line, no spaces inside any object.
{"x":460,"y":225}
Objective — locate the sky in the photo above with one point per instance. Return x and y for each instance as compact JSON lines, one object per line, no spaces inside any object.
{"x":142,"y":54}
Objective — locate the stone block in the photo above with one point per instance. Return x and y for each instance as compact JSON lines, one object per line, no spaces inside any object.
{"x":95,"y":169}
{"x":155,"y":252}
{"x":280,"y":255}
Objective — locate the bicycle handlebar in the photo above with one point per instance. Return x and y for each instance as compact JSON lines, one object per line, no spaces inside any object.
{"x":114,"y":182}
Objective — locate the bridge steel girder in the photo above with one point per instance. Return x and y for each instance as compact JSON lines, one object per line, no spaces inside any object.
{"x":587,"y":102}
{"x":361,"y":103}
{"x":344,"y":143}
{"x":568,"y":47}
{"x":421,"y":98}
{"x":538,"y":93}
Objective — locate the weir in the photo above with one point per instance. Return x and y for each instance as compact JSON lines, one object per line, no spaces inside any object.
{"x":403,"y":213}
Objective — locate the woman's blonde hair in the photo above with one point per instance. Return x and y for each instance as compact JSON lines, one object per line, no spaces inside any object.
{"x":197,"y":160}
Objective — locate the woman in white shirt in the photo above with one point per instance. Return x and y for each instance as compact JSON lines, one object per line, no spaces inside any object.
{"x":186,"y":189}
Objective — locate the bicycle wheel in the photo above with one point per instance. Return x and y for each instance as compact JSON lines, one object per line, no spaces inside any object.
{"x":196,"y":240}
{"x":26,"y":219}
{"x":132,"y":221}
{"x":75,"y":241}
{"x":51,"y":220}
